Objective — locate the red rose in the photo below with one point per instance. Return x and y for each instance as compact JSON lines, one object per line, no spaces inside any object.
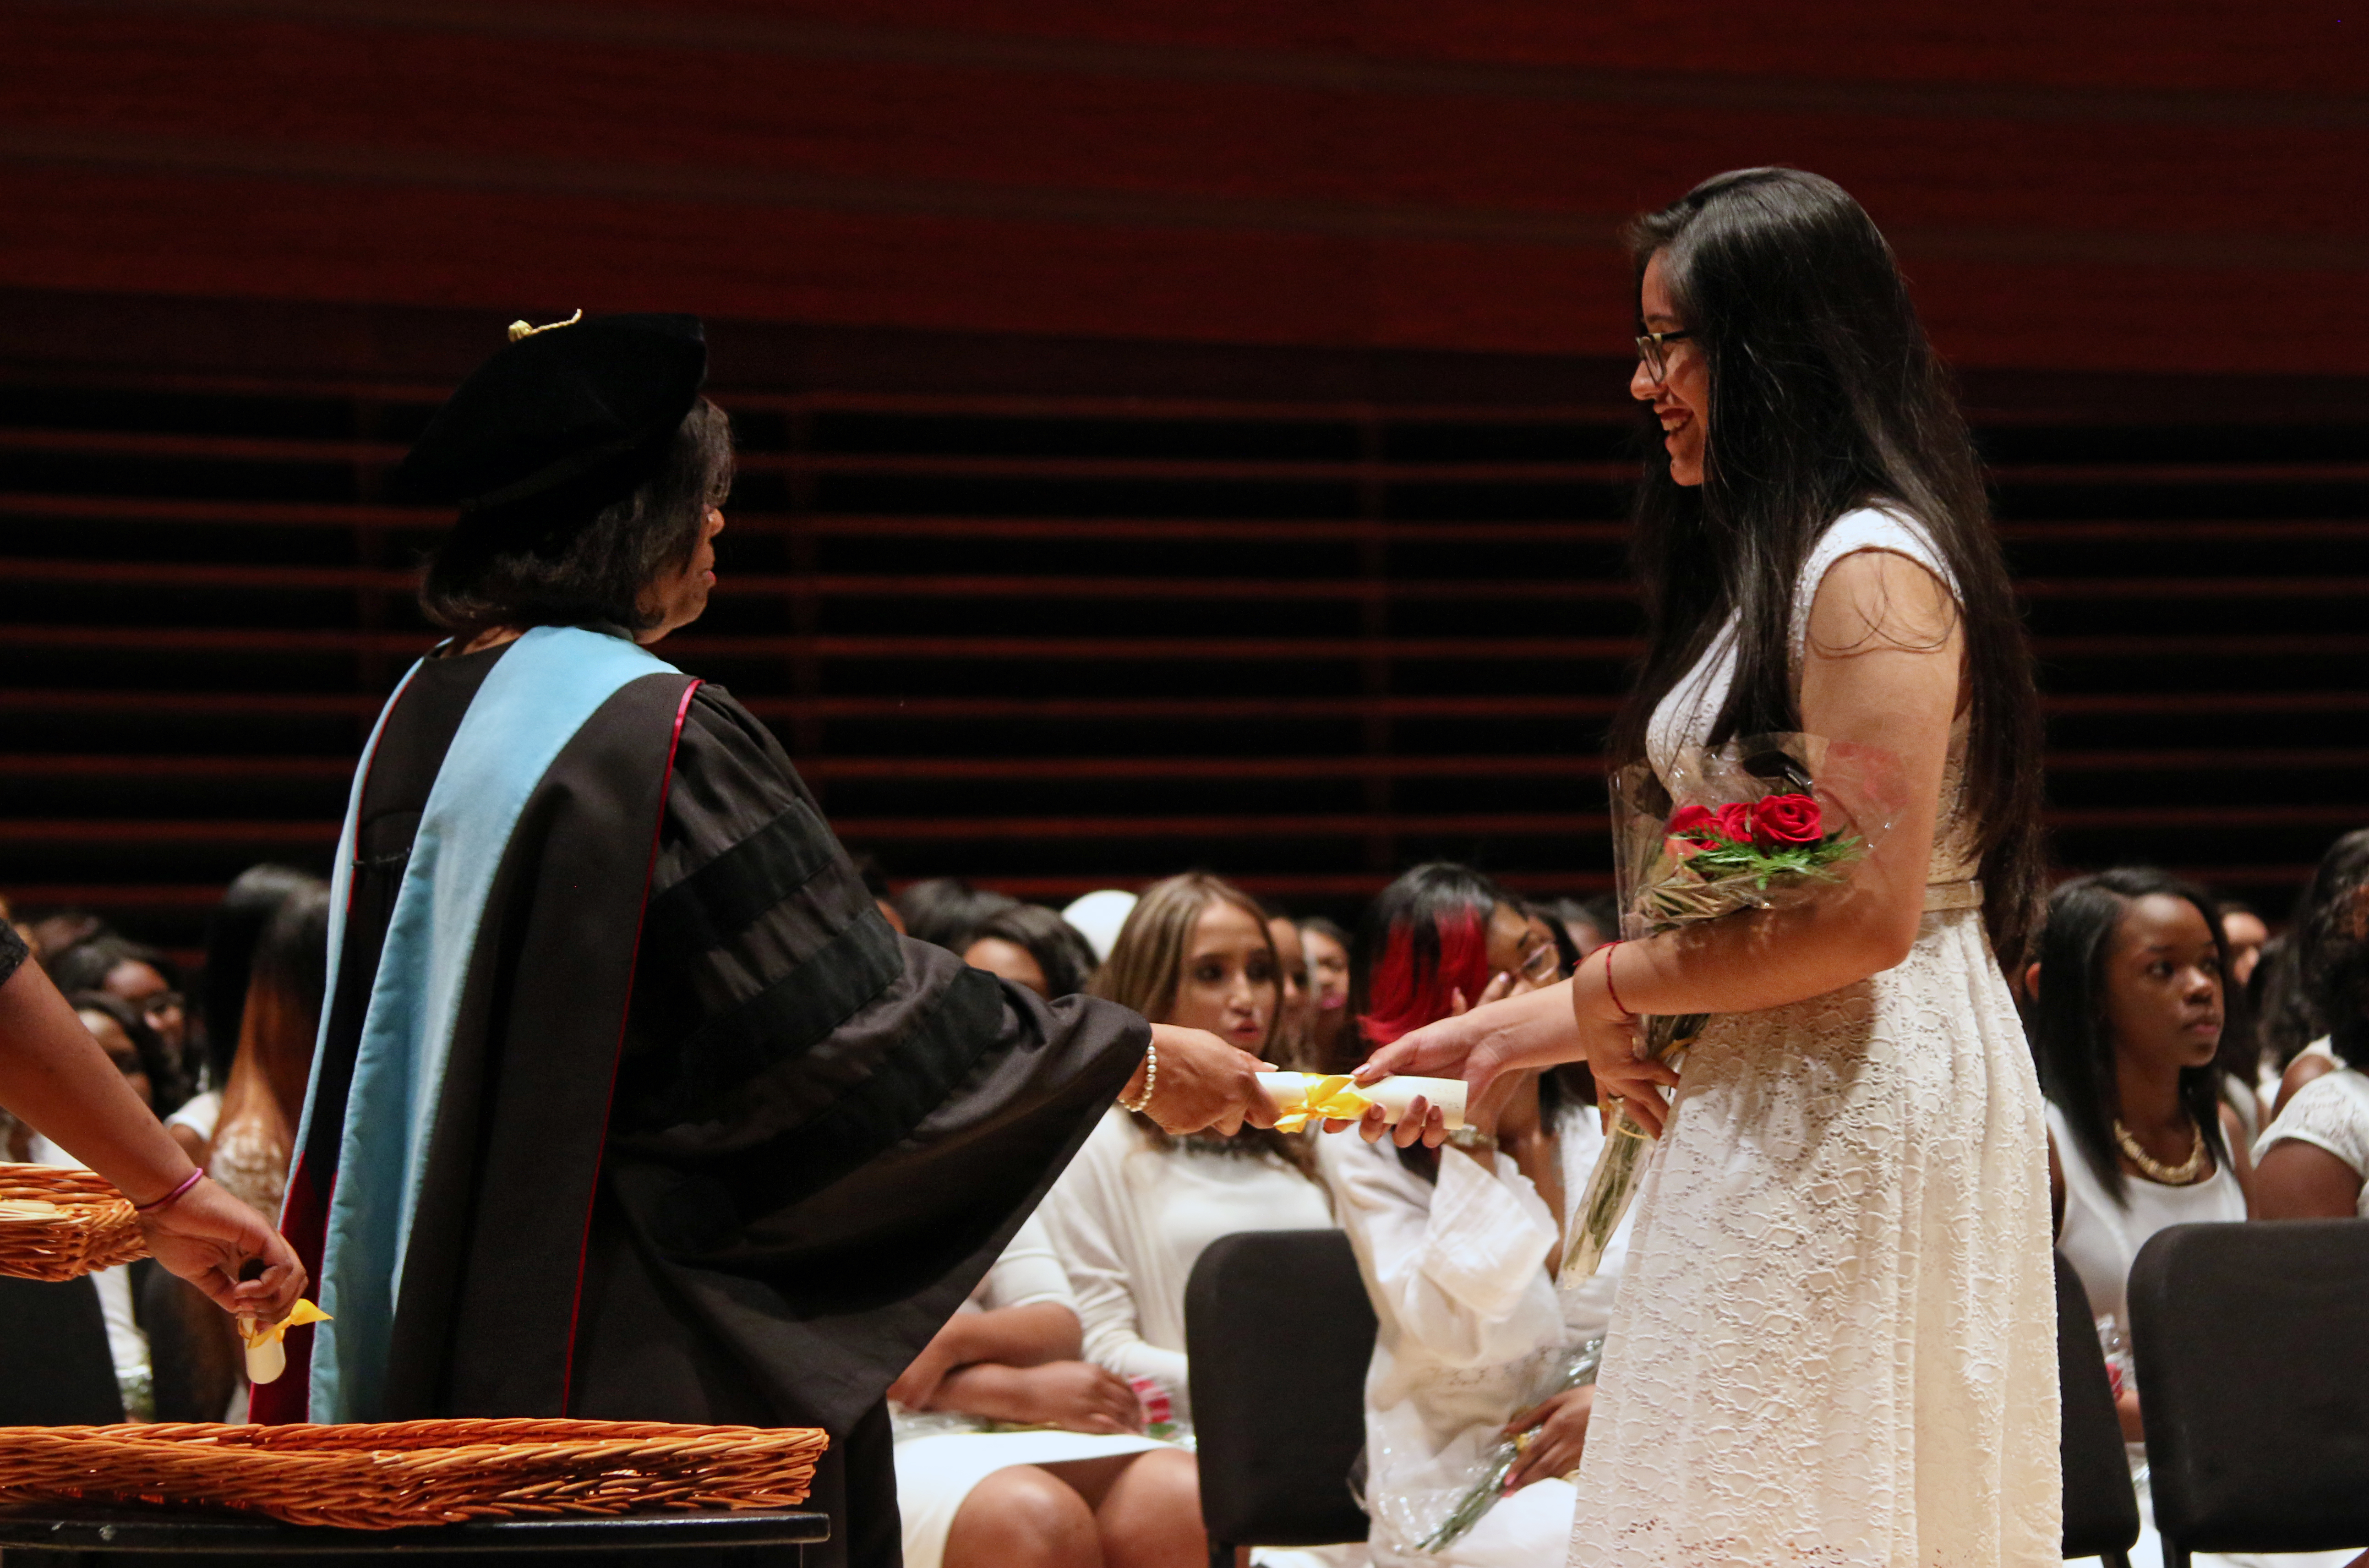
{"x":1736,"y":823}
{"x":1790,"y":819}
{"x":1691,"y":821}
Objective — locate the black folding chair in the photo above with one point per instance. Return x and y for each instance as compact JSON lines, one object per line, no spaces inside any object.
{"x":56,"y":1368}
{"x":2102,"y":1510}
{"x":1279,"y":1334}
{"x":2253,"y":1378}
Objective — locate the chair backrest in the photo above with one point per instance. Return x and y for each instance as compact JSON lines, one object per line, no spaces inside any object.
{"x":2253,"y":1375}
{"x":2102,"y":1510}
{"x":55,"y":1369}
{"x":1279,"y":1334}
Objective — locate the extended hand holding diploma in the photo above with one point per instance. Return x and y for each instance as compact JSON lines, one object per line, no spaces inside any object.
{"x":1301,"y":1097}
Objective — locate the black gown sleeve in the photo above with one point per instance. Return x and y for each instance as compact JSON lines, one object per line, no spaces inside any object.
{"x":13,"y":952}
{"x":810,"y":1102}
{"x":821,"y":1135}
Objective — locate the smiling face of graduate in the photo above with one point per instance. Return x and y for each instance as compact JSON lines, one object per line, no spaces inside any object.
{"x":1681,"y":394}
{"x":1228,"y":985}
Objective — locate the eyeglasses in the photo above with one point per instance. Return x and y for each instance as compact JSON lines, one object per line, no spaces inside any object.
{"x":1542,"y":964}
{"x":1652,"y":351}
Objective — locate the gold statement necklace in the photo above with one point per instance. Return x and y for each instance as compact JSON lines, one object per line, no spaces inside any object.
{"x":2187,"y":1173}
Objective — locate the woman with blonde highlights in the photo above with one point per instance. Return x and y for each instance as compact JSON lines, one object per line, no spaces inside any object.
{"x":1133,"y":1212}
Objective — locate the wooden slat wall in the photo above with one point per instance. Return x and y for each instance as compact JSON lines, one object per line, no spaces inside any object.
{"x":1179,"y":431}
{"x":1099,"y":622}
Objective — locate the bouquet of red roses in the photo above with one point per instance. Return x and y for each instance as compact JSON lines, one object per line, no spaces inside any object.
{"x":1756,"y":824}
{"x":1716,"y":860}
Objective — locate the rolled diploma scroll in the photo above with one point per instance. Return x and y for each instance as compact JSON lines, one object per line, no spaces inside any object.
{"x":266,"y":1356}
{"x":1288,"y":1091}
{"x":266,"y":1359}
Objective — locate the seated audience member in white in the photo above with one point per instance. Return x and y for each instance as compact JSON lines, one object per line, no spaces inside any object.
{"x":2324,"y":906}
{"x":1133,"y":1212}
{"x":2313,"y":1157}
{"x":2129,"y":1001}
{"x":1085,"y":1489}
{"x":1459,"y":1245}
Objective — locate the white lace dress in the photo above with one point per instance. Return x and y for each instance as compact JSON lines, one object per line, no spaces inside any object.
{"x":1836,"y":1338}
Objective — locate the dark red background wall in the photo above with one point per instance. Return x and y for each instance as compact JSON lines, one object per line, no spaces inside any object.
{"x":1174,"y":431}
{"x":2143,"y":185}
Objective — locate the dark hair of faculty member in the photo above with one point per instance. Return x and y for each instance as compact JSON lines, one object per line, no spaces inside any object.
{"x":2072,"y":1035}
{"x":1824,"y":396}
{"x":580,"y":552}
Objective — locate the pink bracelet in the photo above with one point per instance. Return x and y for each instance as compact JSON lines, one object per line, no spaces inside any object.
{"x":192,"y":1179}
{"x":1608,"y":989}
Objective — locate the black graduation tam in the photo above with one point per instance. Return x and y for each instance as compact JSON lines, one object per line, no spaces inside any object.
{"x":572,"y":401}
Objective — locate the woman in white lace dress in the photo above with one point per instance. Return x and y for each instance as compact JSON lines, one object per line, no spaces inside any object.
{"x":1835,"y":1342}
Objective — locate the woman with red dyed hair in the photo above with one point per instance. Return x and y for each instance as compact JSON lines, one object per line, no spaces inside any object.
{"x":1458,"y":1244}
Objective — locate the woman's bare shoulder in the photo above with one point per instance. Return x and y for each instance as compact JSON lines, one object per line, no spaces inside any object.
{"x":1876,"y":599}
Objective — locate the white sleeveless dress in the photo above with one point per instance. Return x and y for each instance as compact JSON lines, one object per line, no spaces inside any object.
{"x":1836,"y":1340}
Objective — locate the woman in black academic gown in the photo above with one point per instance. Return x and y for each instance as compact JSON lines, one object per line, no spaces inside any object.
{"x":706,"y":1140}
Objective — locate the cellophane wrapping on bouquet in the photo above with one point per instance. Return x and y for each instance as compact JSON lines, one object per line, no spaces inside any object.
{"x":1480,"y":1479}
{"x":1764,"y":823}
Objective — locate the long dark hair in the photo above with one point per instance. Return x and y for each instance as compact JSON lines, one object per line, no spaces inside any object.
{"x":1824,"y":396}
{"x":2331,"y":953}
{"x":231,"y":933}
{"x":2072,"y":1038}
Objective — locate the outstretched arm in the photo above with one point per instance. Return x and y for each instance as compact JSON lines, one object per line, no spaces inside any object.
{"x":55,"y":1076}
{"x":1879,"y":672}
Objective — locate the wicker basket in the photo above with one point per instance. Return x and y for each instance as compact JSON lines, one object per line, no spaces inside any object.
{"x":61,"y":1224}
{"x":384,"y":1476}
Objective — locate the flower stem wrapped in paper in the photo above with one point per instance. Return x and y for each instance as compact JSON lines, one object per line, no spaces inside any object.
{"x":1766,"y":823}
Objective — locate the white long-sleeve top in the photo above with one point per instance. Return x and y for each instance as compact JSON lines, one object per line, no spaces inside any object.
{"x":1130,"y":1220}
{"x":1473,"y":1331}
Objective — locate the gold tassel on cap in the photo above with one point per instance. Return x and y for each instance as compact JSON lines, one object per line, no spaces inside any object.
{"x":523,"y":328}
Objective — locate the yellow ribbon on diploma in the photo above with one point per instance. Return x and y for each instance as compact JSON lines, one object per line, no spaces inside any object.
{"x":256,"y":1334}
{"x":1334,"y":1098}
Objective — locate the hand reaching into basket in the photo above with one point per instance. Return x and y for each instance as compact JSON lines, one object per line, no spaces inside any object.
{"x":55,"y":1077}
{"x":216,"y":1242}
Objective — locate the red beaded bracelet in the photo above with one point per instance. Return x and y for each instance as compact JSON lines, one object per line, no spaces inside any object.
{"x":192,"y":1179}
{"x":1608,"y":989}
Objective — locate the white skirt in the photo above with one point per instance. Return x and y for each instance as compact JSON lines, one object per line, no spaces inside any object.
{"x":935,"y":1474}
{"x":1836,"y":1338}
